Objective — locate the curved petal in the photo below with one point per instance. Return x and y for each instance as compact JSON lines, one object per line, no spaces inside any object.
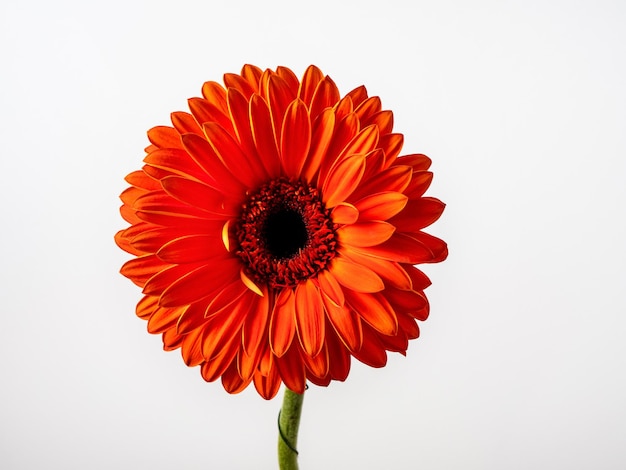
{"x":283,"y":322}
{"x":355,"y":276}
{"x":342,"y":180}
{"x":295,"y":138}
{"x":381,"y":206}
{"x":309,"y":317}
{"x":365,"y":233}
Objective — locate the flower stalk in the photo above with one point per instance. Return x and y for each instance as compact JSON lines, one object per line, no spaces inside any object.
{"x":288,"y":424}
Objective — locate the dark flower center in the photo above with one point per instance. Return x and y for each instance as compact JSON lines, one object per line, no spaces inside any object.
{"x":285,"y":234}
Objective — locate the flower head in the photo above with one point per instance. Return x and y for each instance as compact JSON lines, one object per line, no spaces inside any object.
{"x":275,"y":230}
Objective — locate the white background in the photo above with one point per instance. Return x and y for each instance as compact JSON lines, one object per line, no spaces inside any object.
{"x":522,"y":107}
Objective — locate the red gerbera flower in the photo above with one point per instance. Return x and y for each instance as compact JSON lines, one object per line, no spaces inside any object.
{"x":276,"y":229}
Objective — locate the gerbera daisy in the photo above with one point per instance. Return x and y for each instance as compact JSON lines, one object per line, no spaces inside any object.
{"x":275,"y":230}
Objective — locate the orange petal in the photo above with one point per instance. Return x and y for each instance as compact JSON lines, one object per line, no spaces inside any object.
{"x":291,"y":370}
{"x":410,"y":249}
{"x":232,"y":381}
{"x":178,"y":162}
{"x":185,"y":123}
{"x":200,"y":283}
{"x":238,"y":108}
{"x":191,"y":318}
{"x":225,"y":298}
{"x":215,"y":94}
{"x":267,"y":386}
{"x":191,"y":249}
{"x":263,"y":135}
{"x":232,"y":80}
{"x":346,"y":323}
{"x":283,"y":322}
{"x":419,"y":184}
{"x":375,"y":310}
{"x":365,"y":233}
{"x":255,"y":326}
{"x":344,"y":131}
{"x":140,"y":269}
{"x":203,"y":154}
{"x":309,"y":317}
{"x":358,"y":95}
{"x":164,"y":137}
{"x":417,"y":161}
{"x":329,"y":286}
{"x":372,"y":352}
{"x":201,"y":196}
{"x":163,"y":319}
{"x":191,"y":349}
{"x":230,"y":153}
{"x":317,"y":365}
{"x":289,"y":77}
{"x":279,"y":97}
{"x":206,"y":112}
{"x":252,"y":74}
{"x":312,"y":76}
{"x":391,"y":144}
{"x":224,"y":329}
{"x":395,"y":179}
{"x":342,"y":180}
{"x":146,"y":306}
{"x":368,"y":108}
{"x":326,"y":96}
{"x":344,"y":213}
{"x":364,"y":142}
{"x":382,"y":119}
{"x":322,"y":134}
{"x":355,"y":276}
{"x":419,"y":213}
{"x":381,"y":206}
{"x":390,"y":271}
{"x":295,"y":138}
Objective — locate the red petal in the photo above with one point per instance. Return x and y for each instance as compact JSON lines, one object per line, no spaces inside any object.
{"x":354,"y":276}
{"x":309,"y":317}
{"x":312,"y":76}
{"x":368,"y":108}
{"x":263,"y":134}
{"x":346,"y":323}
{"x":391,"y":144}
{"x":201,"y":196}
{"x":329,"y":286}
{"x":164,"y":137}
{"x":255,"y":326}
{"x":375,"y":310}
{"x":267,"y":386}
{"x":163,"y":319}
{"x":342,"y":180}
{"x":365,"y":233}
{"x":295,"y":138}
{"x":215,"y":94}
{"x":204,"y":155}
{"x":139,"y":270}
{"x":206,"y":112}
{"x":283,"y":322}
{"x":344,"y":213}
{"x":191,"y":249}
{"x":419,"y":184}
{"x":323,"y":128}
{"x":200,"y":283}
{"x":372,"y":352}
{"x":381,"y":206}
{"x":291,"y":370}
{"x":230,"y":153}
{"x":417,"y":161}
{"x":410,"y":249}
{"x":326,"y":96}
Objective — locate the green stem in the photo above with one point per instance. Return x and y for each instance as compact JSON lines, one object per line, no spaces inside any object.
{"x":288,"y":424}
